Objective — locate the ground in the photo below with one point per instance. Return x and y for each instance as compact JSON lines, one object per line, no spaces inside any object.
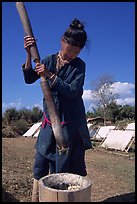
{"x":112,"y":174}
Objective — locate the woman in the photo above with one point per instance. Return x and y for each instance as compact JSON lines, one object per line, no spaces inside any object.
{"x":65,"y":73}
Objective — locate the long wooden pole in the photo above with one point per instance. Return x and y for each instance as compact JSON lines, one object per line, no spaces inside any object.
{"x":53,"y":114}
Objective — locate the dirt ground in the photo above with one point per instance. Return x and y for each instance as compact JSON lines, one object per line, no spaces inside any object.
{"x":112,"y":174}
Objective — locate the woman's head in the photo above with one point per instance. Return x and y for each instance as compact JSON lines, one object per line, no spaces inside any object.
{"x":73,"y":40}
{"x":75,"y":34}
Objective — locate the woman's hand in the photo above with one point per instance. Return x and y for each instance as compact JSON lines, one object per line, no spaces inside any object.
{"x":28,"y":42}
{"x":42,"y":70}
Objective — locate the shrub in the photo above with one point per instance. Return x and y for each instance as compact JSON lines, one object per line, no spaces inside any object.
{"x":20,"y":126}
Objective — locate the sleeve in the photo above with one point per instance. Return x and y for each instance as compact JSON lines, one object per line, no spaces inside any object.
{"x":30,"y":76}
{"x":75,"y":87}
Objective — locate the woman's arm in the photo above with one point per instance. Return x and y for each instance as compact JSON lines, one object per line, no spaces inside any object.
{"x":30,"y":76}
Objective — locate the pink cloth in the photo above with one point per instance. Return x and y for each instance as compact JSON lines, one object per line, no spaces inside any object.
{"x":46,"y":121}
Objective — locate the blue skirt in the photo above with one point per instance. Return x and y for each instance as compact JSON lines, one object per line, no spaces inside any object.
{"x":49,"y":160}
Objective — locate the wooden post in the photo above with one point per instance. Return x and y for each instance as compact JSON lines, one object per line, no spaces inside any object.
{"x":52,"y":110}
{"x":64,"y":187}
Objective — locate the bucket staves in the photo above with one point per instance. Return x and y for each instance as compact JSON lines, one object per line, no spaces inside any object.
{"x":64,"y":187}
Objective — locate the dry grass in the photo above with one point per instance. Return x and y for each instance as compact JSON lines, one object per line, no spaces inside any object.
{"x":112,"y":175}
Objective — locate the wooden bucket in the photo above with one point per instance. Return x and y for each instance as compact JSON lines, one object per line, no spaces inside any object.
{"x":64,"y":187}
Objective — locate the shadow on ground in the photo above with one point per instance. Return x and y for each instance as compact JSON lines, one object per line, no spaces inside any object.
{"x":7,"y":197}
{"x":128,"y":197}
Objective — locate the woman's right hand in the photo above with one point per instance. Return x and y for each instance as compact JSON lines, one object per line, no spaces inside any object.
{"x":28,"y":42}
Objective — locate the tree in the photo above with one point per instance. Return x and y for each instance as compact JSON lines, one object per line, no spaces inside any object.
{"x":102,"y":92}
{"x":25,"y":114}
{"x":113,"y":112}
{"x":36,"y":114}
{"x":11,"y":114}
{"x":128,"y":112}
{"x":16,"y":122}
{"x":20,"y":126}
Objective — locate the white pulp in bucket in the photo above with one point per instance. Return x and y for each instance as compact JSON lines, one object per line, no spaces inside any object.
{"x":65,"y":181}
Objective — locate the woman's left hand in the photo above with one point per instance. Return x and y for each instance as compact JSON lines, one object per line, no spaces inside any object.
{"x":42,"y":70}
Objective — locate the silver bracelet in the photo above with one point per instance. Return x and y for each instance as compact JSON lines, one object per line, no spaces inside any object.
{"x":52,"y":76}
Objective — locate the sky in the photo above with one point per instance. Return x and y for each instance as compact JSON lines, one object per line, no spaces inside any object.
{"x":110,"y":48}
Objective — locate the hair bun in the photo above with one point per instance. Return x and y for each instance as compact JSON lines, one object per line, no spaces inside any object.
{"x":76,"y":24}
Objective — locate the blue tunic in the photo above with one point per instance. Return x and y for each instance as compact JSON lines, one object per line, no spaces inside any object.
{"x":67,"y":94}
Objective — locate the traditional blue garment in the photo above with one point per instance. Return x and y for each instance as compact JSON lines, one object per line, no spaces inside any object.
{"x":67,"y":93}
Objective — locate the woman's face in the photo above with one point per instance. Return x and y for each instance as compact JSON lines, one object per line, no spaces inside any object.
{"x":69,"y":52}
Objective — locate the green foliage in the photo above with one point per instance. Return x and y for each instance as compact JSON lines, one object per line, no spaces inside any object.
{"x":128,"y":112}
{"x":105,"y":101}
{"x":115,"y":112}
{"x":11,"y":114}
{"x":16,"y":122}
{"x":25,"y":114}
{"x":20,"y":126}
{"x":36,"y":114}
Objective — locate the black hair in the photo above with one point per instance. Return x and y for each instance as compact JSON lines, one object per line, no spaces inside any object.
{"x":75,"y":35}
